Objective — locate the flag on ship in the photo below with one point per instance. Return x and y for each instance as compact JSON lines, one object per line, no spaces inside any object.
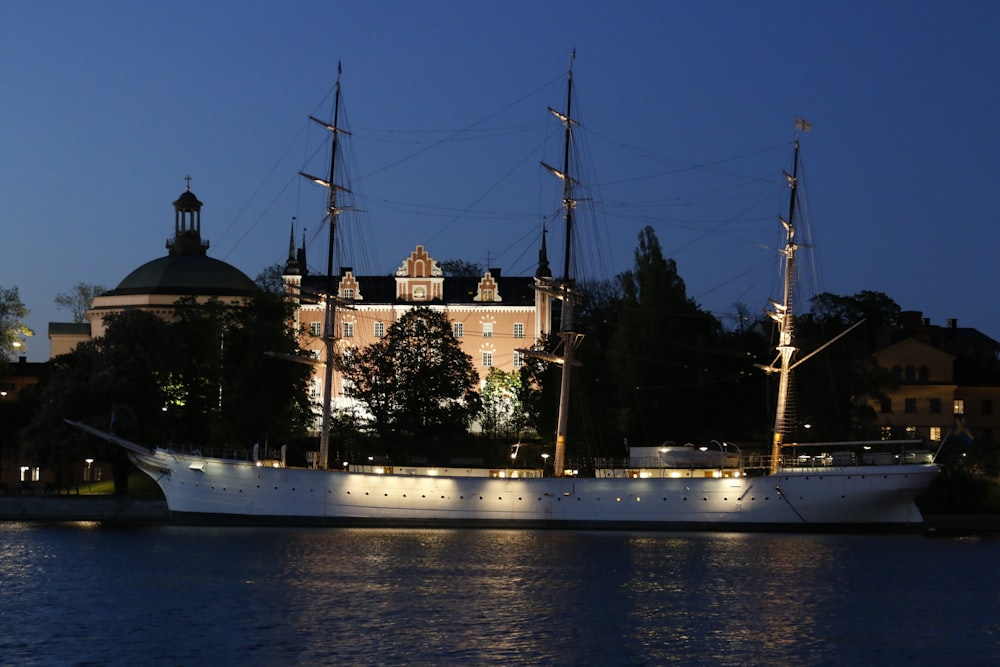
{"x":960,"y":430}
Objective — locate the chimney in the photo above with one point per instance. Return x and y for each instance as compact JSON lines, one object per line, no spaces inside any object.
{"x":952,"y":323}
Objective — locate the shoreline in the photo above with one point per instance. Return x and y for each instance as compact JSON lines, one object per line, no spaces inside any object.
{"x":126,"y":510}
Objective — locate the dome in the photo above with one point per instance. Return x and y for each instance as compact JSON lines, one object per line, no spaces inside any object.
{"x":187,"y":274}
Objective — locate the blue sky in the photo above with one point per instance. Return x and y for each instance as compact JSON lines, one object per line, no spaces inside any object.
{"x":687,"y":112}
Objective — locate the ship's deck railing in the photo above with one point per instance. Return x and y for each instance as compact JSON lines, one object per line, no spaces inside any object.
{"x":794,"y":456}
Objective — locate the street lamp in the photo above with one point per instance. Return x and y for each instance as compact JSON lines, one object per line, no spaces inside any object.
{"x":545,"y":462}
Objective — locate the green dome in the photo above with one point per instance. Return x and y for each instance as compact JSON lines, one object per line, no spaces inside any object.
{"x":187,"y":274}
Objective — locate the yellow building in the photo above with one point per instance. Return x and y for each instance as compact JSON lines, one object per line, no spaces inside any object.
{"x":941,"y":374}
{"x":186,"y":271}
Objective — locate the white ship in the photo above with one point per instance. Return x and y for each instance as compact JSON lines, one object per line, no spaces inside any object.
{"x":835,"y":486}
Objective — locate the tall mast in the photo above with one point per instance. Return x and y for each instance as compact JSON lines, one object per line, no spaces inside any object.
{"x":569,"y":339}
{"x":330,"y":298}
{"x":783,"y":314}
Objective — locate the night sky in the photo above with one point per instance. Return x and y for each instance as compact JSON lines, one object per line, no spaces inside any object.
{"x":687,"y":113}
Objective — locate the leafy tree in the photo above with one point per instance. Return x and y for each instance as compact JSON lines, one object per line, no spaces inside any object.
{"x":208,"y":378}
{"x":840,"y":382}
{"x":270,"y":279}
{"x":461,"y":267}
{"x":12,"y":326}
{"x":503,"y":416}
{"x":77,"y":301}
{"x":416,"y":381}
{"x":663,"y":351}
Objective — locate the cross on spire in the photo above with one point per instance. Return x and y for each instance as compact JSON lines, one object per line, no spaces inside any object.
{"x":188,"y":179}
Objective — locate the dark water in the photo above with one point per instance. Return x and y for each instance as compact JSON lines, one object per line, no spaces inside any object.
{"x":79,"y":594}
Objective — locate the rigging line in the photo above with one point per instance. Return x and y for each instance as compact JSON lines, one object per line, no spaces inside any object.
{"x":686,"y":165}
{"x":260,"y":186}
{"x":461,"y":131}
{"x":718,"y":227}
{"x":533,"y":151}
{"x":266,"y":209}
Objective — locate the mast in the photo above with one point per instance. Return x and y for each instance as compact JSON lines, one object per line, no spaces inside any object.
{"x":783,"y":314}
{"x":565,"y":291}
{"x":330,"y":298}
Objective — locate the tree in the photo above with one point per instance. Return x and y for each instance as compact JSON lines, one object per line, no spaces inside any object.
{"x":503,"y":415}
{"x":416,"y":381}
{"x":214,"y":377}
{"x":663,"y":351}
{"x":77,"y":301}
{"x":839,"y":384}
{"x":12,"y":326}
{"x":461,"y":267}
{"x":270,"y":279}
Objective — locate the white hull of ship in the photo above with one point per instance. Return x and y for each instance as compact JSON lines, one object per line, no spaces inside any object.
{"x":220,"y":491}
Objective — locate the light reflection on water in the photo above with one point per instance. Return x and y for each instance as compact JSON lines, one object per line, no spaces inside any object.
{"x":75,"y":594}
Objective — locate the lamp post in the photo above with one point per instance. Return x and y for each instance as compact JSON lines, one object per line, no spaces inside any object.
{"x":545,"y":463}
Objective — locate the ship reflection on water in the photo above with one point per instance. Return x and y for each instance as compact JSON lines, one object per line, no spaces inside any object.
{"x":76,"y":594}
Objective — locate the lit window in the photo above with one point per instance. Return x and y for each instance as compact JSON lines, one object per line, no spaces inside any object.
{"x":379,"y":329}
{"x":348,"y":329}
{"x":487,"y":330}
{"x":458,"y":328}
{"x":518,"y":329}
{"x":935,"y":434}
{"x":488,"y":359}
{"x":959,"y":406}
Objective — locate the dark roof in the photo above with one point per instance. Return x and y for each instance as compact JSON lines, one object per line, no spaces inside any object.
{"x":187,"y":274}
{"x":514,"y":291}
{"x":69,"y":328}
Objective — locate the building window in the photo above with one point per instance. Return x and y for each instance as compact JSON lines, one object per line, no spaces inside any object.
{"x":315,"y":328}
{"x":887,"y":433}
{"x":348,"y":293}
{"x":314,"y":389}
{"x":518,"y":329}
{"x":419,"y":293}
{"x":935,"y":433}
{"x":379,"y":329}
{"x":897,"y":374}
{"x":29,"y":474}
{"x":488,"y":359}
{"x":987,"y":408}
{"x":959,"y":406}
{"x":911,"y":374}
{"x":348,"y":329}
{"x":885,"y":405}
{"x":518,"y":358}
{"x":348,"y":385}
{"x":458,"y":328}
{"x":924,"y":374}
{"x":911,"y":432}
{"x":935,"y":406}
{"x":487,"y":330}
{"x":910,"y":405}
